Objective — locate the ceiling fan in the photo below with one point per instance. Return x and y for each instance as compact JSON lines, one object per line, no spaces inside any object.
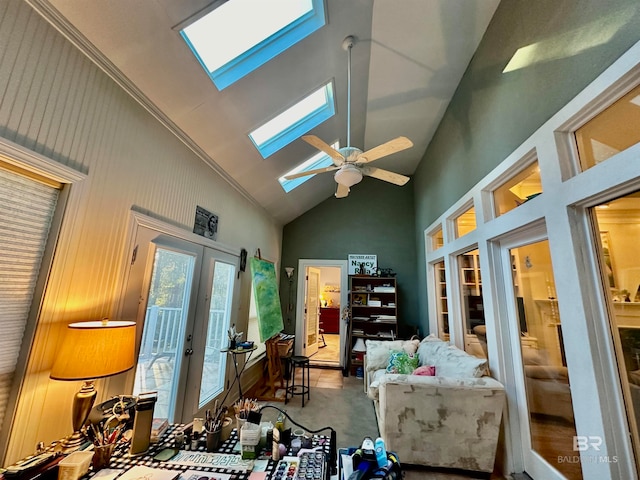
{"x":351,"y":163}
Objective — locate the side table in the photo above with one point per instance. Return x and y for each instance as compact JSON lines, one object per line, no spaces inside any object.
{"x":235,"y":353}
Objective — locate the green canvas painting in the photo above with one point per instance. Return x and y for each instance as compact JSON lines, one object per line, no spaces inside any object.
{"x":267,"y":298}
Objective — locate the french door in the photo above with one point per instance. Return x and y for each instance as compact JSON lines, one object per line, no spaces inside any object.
{"x":542,"y":382}
{"x":184,"y":293}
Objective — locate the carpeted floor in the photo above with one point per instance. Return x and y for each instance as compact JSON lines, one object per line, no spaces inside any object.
{"x":347,"y":410}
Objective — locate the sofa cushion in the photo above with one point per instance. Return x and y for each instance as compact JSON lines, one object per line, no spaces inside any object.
{"x":450,"y":361}
{"x":402,"y":362}
{"x":379,"y":351}
{"x":429,"y":348}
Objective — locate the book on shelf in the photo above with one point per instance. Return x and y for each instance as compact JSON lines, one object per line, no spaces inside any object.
{"x":386,"y":318}
{"x":362,"y":319}
{"x":384,"y":289}
{"x":386,"y":335}
{"x":359,"y":299}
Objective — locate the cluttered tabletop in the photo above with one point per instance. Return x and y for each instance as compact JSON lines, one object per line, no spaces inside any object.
{"x":211,"y":448}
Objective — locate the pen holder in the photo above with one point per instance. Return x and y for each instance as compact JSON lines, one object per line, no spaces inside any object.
{"x":102,"y":456}
{"x":227,"y":427}
{"x":213,"y":440}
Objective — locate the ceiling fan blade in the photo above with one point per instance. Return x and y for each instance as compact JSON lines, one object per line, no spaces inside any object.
{"x":342,"y":191}
{"x":385,"y":175}
{"x":337,"y":157}
{"x":311,"y":172}
{"x":392,"y":146}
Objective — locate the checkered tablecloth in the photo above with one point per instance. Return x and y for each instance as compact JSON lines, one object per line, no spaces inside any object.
{"x":122,"y":460}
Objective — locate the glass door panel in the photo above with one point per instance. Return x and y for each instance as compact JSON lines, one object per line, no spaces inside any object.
{"x":442,"y":306}
{"x":472,"y":304}
{"x":161,"y":350}
{"x":618,"y":225}
{"x":221,"y":295}
{"x":546,"y":378}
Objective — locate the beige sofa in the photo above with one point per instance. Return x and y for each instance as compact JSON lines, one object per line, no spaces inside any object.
{"x":449,"y":420}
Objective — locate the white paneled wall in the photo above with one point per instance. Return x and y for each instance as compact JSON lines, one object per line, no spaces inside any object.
{"x":54,"y":101}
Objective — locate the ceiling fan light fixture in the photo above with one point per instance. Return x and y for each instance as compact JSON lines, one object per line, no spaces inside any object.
{"x":348,"y":175}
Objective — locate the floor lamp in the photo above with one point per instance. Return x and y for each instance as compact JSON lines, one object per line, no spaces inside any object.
{"x":92,"y":350}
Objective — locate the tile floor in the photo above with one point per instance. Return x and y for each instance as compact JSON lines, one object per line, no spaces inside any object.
{"x":329,"y":378}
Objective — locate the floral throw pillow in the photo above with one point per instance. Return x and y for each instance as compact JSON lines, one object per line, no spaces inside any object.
{"x":402,"y":362}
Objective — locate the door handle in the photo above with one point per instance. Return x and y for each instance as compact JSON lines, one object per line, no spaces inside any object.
{"x":188,"y":352}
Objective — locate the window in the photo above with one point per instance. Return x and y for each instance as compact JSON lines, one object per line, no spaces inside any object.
{"x":617,"y":224}
{"x":520,"y":188}
{"x":472,"y":303}
{"x":442,"y":306}
{"x":437,"y":238}
{"x":26,"y":213}
{"x":289,"y":125}
{"x":466,"y":222}
{"x":319,"y":160}
{"x":239,"y":36}
{"x":610,"y":132}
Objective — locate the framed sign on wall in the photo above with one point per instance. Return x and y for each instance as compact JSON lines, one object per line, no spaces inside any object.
{"x":362,"y":264}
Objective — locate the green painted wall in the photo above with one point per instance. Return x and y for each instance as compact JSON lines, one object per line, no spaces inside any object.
{"x":376,"y":218}
{"x":493,"y":112}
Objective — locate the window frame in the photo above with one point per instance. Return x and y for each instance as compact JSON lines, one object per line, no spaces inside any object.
{"x":57,"y":248}
{"x":263,"y":52}
{"x":568,"y":191}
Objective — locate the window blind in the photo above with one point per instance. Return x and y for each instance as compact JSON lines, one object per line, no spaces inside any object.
{"x":26,"y":211}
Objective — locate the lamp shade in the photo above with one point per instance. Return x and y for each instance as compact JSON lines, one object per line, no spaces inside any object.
{"x":94,"y":350}
{"x":359,"y":346}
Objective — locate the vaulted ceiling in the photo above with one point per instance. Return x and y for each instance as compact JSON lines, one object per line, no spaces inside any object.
{"x":407,"y":61}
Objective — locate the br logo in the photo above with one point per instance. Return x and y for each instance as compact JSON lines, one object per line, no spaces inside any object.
{"x":584,"y":442}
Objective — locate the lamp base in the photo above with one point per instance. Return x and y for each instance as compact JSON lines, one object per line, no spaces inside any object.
{"x":73,"y":442}
{"x":82,"y":404}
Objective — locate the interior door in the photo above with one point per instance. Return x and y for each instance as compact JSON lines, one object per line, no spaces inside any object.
{"x":312,"y":312}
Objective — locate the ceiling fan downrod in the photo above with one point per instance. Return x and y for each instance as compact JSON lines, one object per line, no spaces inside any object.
{"x":347,"y":44}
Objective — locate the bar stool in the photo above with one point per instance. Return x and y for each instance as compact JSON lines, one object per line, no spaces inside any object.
{"x":296,"y":361}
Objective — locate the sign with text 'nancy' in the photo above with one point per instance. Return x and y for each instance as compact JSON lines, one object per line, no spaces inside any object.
{"x":362,"y":264}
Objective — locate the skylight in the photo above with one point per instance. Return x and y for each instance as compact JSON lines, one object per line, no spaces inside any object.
{"x":241,"y":35}
{"x":289,"y":125}
{"x":319,"y":160}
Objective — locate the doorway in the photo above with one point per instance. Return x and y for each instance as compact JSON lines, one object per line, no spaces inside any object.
{"x":320,"y":331}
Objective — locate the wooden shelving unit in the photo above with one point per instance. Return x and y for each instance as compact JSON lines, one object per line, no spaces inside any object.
{"x":373,"y":305}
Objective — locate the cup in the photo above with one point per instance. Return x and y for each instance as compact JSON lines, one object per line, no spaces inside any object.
{"x":296,"y":445}
{"x":213,"y":440}
{"x":227,"y":427}
{"x":240,"y":423}
{"x":102,"y":456}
